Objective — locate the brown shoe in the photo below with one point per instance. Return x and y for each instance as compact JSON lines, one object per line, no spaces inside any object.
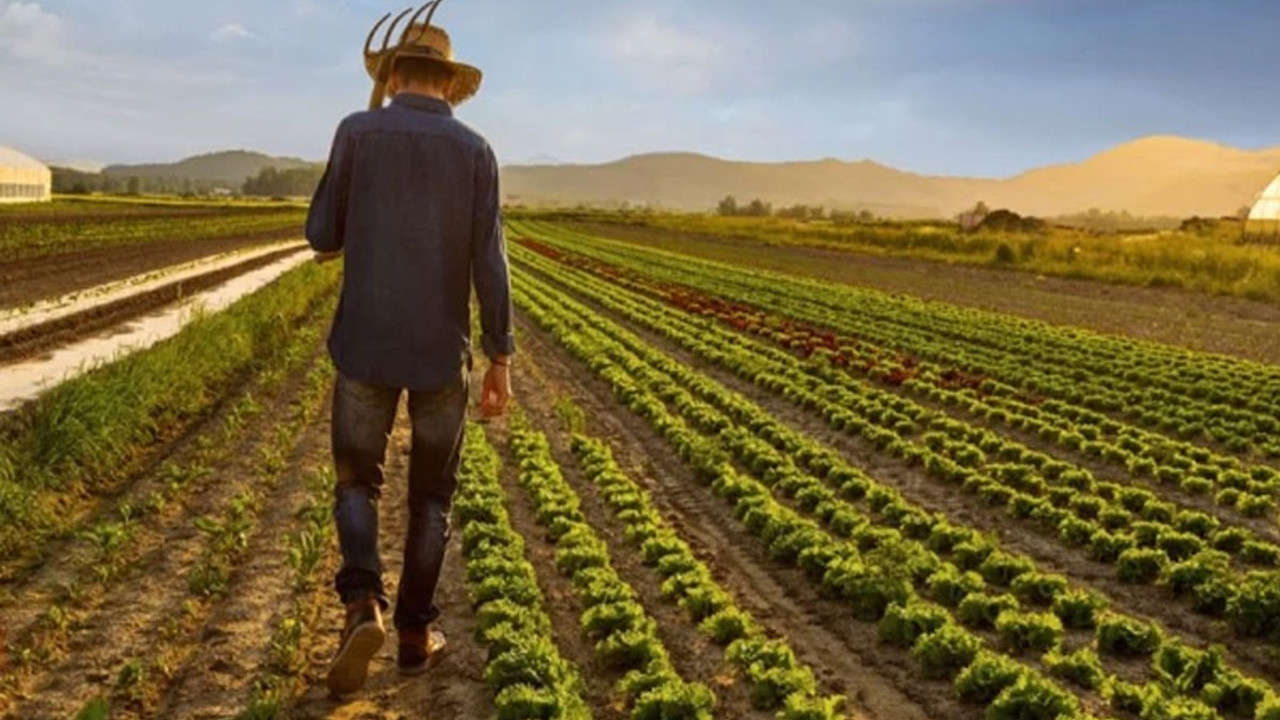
{"x":419,"y":650}
{"x":362,"y":637}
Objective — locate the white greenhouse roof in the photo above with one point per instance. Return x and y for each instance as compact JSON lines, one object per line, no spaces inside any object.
{"x":12,"y":159}
{"x":1268,"y":205}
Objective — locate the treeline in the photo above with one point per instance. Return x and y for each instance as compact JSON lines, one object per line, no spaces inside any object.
{"x":729,"y":207}
{"x":75,"y":182}
{"x":270,"y":182}
{"x":297,"y":182}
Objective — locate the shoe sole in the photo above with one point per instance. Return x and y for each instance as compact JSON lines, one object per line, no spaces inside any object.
{"x":433,"y":656}
{"x":350,"y":669}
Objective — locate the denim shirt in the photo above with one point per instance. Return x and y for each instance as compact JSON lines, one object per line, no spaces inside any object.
{"x":410,"y":196}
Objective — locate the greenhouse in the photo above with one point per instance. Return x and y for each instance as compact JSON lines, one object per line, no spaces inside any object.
{"x":22,"y":178}
{"x":1264,"y":218}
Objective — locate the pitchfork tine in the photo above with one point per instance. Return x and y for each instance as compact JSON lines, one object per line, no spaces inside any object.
{"x":368,"y":43}
{"x":413,"y":20}
{"x":434,"y":6}
{"x":386,"y":40}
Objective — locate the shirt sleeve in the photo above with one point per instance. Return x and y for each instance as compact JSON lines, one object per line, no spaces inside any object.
{"x":327,"y":218}
{"x":489,"y":268}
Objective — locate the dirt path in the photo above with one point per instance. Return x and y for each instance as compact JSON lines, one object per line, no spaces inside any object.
{"x":880,"y":681}
{"x":454,"y":688}
{"x":26,"y":281}
{"x":1231,"y":326}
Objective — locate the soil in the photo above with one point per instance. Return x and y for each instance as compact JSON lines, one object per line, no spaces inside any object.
{"x":1231,"y":326}
{"x":32,"y":340}
{"x":1257,"y":658}
{"x":23,"y":282}
{"x":879,"y":681}
{"x":147,"y":613}
{"x":454,"y":688}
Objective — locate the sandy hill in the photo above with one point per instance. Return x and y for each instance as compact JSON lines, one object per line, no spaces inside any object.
{"x":1150,"y":176}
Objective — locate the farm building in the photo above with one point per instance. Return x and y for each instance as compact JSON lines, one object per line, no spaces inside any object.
{"x":23,"y":178}
{"x":1264,"y":217}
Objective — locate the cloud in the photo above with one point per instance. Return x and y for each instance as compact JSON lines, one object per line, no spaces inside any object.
{"x":29,"y":33}
{"x":308,"y":8}
{"x":670,"y":55}
{"x":232,"y":32}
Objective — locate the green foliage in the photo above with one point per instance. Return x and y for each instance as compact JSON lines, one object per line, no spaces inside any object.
{"x":987,"y":676}
{"x":1022,"y":631}
{"x":980,"y":611}
{"x":902,"y":624}
{"x":1141,"y":565}
{"x":1081,"y":667}
{"x":946,"y":650}
{"x":1126,"y":637}
{"x":1032,"y":697}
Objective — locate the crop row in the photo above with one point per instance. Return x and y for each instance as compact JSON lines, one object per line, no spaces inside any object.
{"x":225,"y":538}
{"x":29,"y":240}
{"x":1195,"y":471}
{"x":1231,"y":402}
{"x":1185,"y":548}
{"x":524,"y":668}
{"x":574,"y":328}
{"x":87,"y":435}
{"x":1062,"y":498}
{"x":626,"y":637}
{"x":112,"y":541}
{"x":871,"y":578}
{"x":776,"y":677}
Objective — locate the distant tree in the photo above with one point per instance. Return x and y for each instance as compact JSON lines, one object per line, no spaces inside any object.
{"x":728,"y":207}
{"x":134,"y":185}
{"x":758,"y":208}
{"x":1010,"y":221}
{"x":293,"y":182}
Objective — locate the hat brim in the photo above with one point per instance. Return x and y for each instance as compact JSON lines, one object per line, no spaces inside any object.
{"x":466,"y":78}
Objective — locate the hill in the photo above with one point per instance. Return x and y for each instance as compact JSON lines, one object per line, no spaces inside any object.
{"x":230,"y":167}
{"x":1150,"y":176}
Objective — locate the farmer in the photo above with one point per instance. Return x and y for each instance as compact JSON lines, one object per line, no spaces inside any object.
{"x":410,"y":199}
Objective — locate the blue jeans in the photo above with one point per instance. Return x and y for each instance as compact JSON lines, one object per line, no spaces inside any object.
{"x":363,"y":416}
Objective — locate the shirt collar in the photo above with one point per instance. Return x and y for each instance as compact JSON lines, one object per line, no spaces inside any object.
{"x":422,"y":102}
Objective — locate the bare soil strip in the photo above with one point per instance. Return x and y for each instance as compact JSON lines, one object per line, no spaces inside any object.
{"x":24,"y":282}
{"x":34,"y":338}
{"x":880,"y":681}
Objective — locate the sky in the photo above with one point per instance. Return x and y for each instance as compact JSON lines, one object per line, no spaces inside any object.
{"x":957,"y":87}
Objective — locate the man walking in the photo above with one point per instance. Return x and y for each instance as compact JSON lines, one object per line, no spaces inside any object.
{"x":410,"y":201}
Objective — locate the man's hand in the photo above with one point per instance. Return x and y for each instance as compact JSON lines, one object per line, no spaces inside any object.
{"x":324,"y":257}
{"x":496,"y":394}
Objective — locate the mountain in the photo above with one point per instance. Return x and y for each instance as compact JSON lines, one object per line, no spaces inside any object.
{"x":1150,"y":176}
{"x":231,"y":167}
{"x":84,"y":166}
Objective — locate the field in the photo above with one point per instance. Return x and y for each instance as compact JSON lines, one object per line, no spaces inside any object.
{"x":1212,"y":256}
{"x":726,"y":492}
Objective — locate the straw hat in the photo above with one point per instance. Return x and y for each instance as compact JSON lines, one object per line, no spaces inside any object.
{"x":418,"y":40}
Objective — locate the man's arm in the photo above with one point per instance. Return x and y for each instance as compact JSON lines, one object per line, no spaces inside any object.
{"x":327,"y":218}
{"x":492,"y":278}
{"x":489,"y":269}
